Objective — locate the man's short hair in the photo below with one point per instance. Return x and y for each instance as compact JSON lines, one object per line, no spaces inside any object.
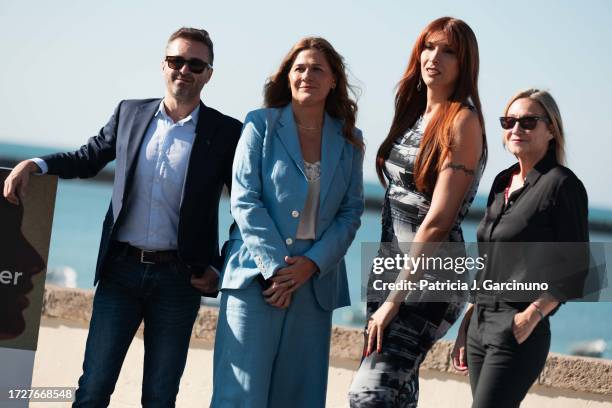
{"x":194,"y":34}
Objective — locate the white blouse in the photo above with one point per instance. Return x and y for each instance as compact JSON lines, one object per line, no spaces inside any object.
{"x":308,"y":218}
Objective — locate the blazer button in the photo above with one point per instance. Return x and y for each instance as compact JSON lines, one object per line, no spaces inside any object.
{"x":295,"y":213}
{"x":289,"y":241}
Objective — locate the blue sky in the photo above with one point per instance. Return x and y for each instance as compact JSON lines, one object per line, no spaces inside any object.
{"x":66,"y":64}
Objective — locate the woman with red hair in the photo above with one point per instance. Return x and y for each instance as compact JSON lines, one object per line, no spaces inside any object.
{"x":430,"y":163}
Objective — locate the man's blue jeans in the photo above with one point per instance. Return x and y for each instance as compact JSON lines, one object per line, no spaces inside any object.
{"x":128,"y":293}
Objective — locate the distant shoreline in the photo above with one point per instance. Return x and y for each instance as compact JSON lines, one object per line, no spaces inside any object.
{"x":372,"y":203}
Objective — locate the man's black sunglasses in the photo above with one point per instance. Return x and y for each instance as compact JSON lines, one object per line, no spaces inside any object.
{"x":196,"y":65}
{"x":525,"y":122}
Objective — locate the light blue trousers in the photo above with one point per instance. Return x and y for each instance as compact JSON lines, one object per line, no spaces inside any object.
{"x":270,"y":357}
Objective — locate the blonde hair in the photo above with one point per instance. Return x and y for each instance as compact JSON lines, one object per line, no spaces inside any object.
{"x":547,"y":102}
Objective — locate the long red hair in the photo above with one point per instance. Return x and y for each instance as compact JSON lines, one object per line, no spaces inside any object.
{"x":410,"y":103}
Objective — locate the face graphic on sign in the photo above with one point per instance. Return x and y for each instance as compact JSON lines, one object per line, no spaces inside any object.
{"x":19,"y":261}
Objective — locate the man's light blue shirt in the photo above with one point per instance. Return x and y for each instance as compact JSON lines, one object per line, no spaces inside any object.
{"x":154,"y":201}
{"x":153,"y":205}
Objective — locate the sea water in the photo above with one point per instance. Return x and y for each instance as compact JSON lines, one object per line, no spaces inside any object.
{"x":80,"y":210}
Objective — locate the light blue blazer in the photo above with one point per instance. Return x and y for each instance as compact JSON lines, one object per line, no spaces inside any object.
{"x":269,"y":189}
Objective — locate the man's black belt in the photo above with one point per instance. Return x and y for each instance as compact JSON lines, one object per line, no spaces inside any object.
{"x":144,"y":256}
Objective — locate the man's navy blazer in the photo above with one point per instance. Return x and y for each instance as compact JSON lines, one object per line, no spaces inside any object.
{"x":209,"y":169}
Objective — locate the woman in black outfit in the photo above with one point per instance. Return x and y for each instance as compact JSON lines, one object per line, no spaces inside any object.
{"x":504,"y":338}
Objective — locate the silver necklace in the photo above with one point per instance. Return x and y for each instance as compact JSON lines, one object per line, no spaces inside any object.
{"x":308,"y":128}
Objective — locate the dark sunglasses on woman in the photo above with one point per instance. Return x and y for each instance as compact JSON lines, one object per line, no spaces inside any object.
{"x":525,"y":122}
{"x":195,"y":65}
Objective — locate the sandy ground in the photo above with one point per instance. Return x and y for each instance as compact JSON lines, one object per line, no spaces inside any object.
{"x":60,"y":355}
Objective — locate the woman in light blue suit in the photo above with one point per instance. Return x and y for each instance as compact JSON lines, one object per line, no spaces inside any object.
{"x":297,"y":199}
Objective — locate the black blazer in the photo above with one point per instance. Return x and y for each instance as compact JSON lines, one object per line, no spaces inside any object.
{"x":209,"y":169}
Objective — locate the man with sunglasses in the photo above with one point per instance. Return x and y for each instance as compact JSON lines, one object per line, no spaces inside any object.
{"x":159,"y":249}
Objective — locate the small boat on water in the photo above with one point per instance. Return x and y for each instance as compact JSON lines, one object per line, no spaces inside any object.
{"x":591,"y":348}
{"x":62,"y":276}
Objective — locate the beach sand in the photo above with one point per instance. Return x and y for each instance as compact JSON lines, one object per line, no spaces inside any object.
{"x":62,"y":342}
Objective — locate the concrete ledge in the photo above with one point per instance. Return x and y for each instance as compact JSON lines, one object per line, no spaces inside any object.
{"x":587,"y":375}
{"x":69,"y":304}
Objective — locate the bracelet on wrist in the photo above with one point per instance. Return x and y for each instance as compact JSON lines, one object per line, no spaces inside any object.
{"x":537,"y":308}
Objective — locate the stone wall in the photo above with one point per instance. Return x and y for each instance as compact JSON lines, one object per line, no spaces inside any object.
{"x":585,"y":375}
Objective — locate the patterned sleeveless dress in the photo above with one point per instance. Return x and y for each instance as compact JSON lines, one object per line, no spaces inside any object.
{"x":390,"y":378}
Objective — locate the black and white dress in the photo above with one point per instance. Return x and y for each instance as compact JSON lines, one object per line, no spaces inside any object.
{"x":390,"y":378}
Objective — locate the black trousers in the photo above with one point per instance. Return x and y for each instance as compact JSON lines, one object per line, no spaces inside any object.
{"x":501,"y":370}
